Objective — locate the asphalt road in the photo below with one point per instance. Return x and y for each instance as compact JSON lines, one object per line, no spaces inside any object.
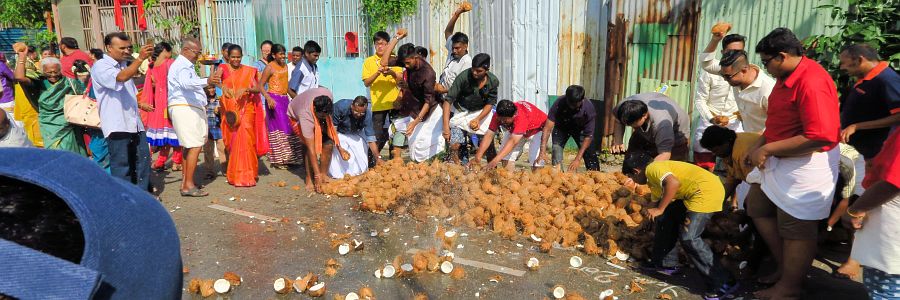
{"x":266,"y":232}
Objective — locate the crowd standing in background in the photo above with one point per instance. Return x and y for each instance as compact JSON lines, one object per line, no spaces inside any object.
{"x":784,"y":139}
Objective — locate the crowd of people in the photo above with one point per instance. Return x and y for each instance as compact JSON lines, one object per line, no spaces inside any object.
{"x":785,"y":140}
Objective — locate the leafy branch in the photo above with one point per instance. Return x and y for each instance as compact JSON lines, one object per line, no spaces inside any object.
{"x":382,"y":13}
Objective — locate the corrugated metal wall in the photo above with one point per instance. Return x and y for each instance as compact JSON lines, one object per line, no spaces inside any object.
{"x":526,"y":40}
{"x":755,"y":19}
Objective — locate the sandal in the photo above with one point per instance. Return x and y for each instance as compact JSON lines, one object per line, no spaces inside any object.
{"x":194,"y":192}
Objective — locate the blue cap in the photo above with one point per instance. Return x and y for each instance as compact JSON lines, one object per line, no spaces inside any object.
{"x":132,"y":249}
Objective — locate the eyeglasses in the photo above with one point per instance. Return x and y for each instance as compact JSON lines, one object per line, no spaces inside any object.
{"x":728,"y":77}
{"x":192,"y":50}
{"x":765,"y":62}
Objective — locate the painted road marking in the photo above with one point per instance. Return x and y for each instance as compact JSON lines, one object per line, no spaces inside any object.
{"x":478,"y":264}
{"x":245,"y":213}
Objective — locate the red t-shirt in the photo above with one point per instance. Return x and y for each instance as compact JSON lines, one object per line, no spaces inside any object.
{"x":528,"y":120}
{"x":68,"y":60}
{"x":886,"y":165}
{"x":805,"y":103}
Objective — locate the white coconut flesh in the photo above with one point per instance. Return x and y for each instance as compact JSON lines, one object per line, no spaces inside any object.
{"x":575,"y":261}
{"x":559,"y":292}
{"x":222,"y":286}
{"x":446,"y":267}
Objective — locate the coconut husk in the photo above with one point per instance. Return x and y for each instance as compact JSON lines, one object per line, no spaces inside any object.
{"x":458,"y":273}
{"x":206,"y":288}
{"x":194,"y":286}
{"x":233,"y":278}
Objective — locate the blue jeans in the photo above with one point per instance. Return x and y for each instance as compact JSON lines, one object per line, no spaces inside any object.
{"x":677,"y":223}
{"x":99,"y":148}
{"x":561,"y":137}
{"x":881,"y":285}
{"x":129,"y":157}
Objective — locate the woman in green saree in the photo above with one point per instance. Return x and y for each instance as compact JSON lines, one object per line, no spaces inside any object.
{"x":52,"y":89}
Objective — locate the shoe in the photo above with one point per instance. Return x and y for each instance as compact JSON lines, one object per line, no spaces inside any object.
{"x":667,"y":271}
{"x":726,"y":291}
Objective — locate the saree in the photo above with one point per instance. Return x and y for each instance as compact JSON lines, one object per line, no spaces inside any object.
{"x":55,"y":130}
{"x":26,"y":113}
{"x":247,"y":140}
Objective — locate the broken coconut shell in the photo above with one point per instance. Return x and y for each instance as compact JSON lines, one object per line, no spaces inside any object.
{"x":558,"y":292}
{"x":194,"y":286}
{"x":302,"y":284}
{"x":351,"y":296}
{"x":446,"y":267}
{"x":575,"y":261}
{"x":316,"y":290}
{"x":388,"y":271}
{"x":366,"y":293}
{"x":233,"y":278}
{"x":574,"y":296}
{"x":282,"y":285}
{"x":533,"y":264}
{"x":222,"y":286}
{"x":457,"y":273}
{"x":343,"y":249}
{"x":206,"y":288}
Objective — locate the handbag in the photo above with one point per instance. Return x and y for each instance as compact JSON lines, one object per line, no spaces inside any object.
{"x":81,"y":110}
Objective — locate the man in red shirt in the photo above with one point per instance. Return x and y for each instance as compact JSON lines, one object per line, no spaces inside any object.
{"x":523,"y":123}
{"x":70,"y":53}
{"x":796,"y":159}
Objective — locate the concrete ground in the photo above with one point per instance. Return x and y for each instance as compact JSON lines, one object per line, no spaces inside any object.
{"x":267,"y":231}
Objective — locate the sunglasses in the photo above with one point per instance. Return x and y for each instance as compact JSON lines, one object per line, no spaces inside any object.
{"x":765,"y":62}
{"x":728,"y":77}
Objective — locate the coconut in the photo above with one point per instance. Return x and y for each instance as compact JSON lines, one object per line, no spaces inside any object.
{"x":388,"y":271}
{"x":331,"y":262}
{"x":421,"y":296}
{"x":458,"y":273}
{"x":330,"y":271}
{"x":351,"y":296}
{"x":533,"y":264}
{"x":282,"y":285}
{"x":446,"y":267}
{"x":545,"y":247}
{"x":206,"y":288}
{"x":721,"y":28}
{"x":366,"y":293}
{"x":222,"y":286}
{"x":575,"y":261}
{"x":465,"y":6}
{"x":343,"y":249}
{"x":233,"y":278}
{"x":558,"y":292}
{"x":574,"y":296}
{"x":316,"y":290}
{"x":194,"y":286}
{"x":302,"y":284}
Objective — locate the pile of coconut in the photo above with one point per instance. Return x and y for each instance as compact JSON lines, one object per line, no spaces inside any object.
{"x":592,"y":210}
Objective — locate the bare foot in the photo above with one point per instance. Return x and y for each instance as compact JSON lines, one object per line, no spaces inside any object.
{"x":778,"y":293}
{"x":850,"y":269}
{"x":310,"y":187}
{"x":769,"y":279}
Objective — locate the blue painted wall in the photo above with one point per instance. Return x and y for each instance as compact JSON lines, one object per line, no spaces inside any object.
{"x":343,"y":76}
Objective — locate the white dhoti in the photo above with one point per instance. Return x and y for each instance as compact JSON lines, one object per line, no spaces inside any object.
{"x":876,"y":245}
{"x":534,"y":148}
{"x":359,"y":160}
{"x":461,"y":120}
{"x":800,"y":186}
{"x":427,"y":139}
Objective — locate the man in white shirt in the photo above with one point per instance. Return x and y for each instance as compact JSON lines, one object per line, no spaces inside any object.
{"x":11,"y":135}
{"x":120,"y":121}
{"x":459,"y":59}
{"x":751,"y":88}
{"x":294,"y":60}
{"x":187,"y":110}
{"x":751,"y":99}
{"x":713,"y":99}
{"x":306,"y":75}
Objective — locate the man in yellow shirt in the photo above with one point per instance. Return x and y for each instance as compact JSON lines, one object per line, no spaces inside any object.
{"x":382,"y":84}
{"x":688,"y":196}
{"x":731,"y":147}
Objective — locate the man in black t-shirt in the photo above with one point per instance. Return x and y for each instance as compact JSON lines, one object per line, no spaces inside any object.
{"x":872,"y":107}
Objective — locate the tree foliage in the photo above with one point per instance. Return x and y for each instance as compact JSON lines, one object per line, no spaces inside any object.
{"x":23,"y":13}
{"x":875,"y":22}
{"x":382,"y":13}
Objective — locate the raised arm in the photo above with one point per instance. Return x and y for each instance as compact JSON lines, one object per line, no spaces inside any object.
{"x":132,"y":69}
{"x":19,"y":74}
{"x":448,"y":31}
{"x":386,"y":56}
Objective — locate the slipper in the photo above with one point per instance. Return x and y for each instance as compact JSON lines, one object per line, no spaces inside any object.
{"x":194,"y":192}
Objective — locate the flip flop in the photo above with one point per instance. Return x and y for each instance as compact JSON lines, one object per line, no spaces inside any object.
{"x":194,"y":192}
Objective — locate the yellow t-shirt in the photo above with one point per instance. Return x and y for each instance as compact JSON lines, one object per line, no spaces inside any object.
{"x":735,"y":168}
{"x":383,"y":91}
{"x":700,"y":190}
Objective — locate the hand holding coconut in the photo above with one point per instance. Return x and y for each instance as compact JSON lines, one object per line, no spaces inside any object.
{"x":720,"y":29}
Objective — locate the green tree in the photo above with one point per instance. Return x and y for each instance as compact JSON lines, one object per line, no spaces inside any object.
{"x":875,"y":22}
{"x":382,"y":13}
{"x":23,"y":13}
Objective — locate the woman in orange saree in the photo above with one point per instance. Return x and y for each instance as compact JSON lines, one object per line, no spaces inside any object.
{"x":243,"y":122}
